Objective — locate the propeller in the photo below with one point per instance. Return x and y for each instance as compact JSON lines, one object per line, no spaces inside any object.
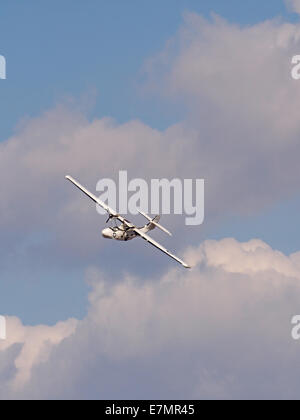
{"x":109,"y":217}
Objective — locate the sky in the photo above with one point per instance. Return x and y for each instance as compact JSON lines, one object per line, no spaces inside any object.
{"x":188,"y":89}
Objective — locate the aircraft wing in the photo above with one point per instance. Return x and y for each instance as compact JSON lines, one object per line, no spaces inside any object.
{"x":126,"y":222}
{"x":98,"y":201}
{"x":158,"y":246}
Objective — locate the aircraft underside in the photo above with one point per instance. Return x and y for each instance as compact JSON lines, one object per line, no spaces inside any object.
{"x":118,"y":234}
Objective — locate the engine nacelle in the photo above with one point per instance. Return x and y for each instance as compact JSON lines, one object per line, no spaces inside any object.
{"x":107,"y":233}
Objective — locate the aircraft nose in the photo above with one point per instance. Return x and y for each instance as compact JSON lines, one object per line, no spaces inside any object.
{"x":107,"y":233}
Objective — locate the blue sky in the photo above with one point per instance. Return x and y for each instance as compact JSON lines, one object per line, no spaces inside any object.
{"x":92,"y":53}
{"x":240,"y":131}
{"x":61,"y":49}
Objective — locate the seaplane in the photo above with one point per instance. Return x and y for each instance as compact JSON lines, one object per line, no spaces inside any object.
{"x":123,"y":230}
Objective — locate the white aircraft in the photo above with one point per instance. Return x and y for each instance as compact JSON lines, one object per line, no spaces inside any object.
{"x":126,"y":230}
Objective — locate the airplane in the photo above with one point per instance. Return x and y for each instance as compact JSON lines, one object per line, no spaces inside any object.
{"x":126,"y":231}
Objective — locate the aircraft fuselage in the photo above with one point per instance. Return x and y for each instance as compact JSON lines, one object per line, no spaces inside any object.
{"x":120,"y":233}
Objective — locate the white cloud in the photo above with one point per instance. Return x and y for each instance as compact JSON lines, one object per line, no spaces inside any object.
{"x":221,"y":330}
{"x":242,"y":101}
{"x":36,"y":345}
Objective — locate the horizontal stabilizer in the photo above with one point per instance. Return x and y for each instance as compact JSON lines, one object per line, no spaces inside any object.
{"x":153,"y":222}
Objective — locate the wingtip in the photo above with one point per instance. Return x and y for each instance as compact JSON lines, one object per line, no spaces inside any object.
{"x":186,"y":266}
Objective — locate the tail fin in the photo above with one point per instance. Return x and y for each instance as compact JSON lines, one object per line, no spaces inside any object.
{"x":154,"y":223}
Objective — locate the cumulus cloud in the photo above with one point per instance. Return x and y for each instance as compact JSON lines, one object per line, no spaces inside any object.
{"x":34,"y":343}
{"x":35,"y":196}
{"x":236,"y":84}
{"x":222,"y":330}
